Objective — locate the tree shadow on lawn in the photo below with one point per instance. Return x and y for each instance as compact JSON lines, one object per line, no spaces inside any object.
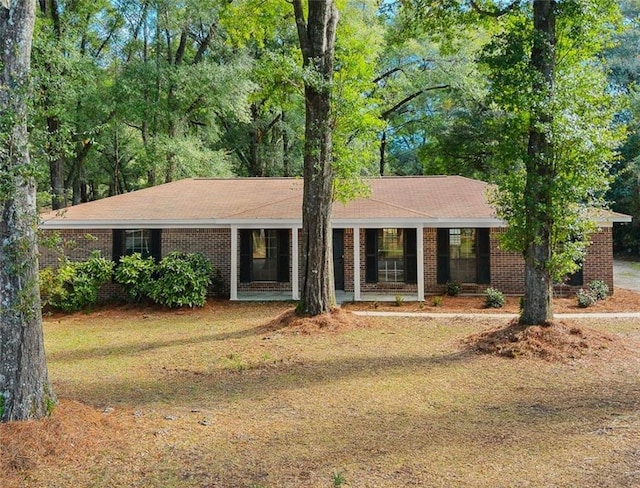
{"x":183,"y":387}
{"x":142,"y":346}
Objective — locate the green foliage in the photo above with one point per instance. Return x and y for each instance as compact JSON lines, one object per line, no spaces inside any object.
{"x":586,"y":297}
{"x":452,"y":288}
{"x":494,"y":298}
{"x":136,"y":275}
{"x":182,"y":280}
{"x":399,"y":300}
{"x":1,"y":406}
{"x":599,"y":288}
{"x":74,"y":286}
{"x":582,"y":131}
{"x":437,"y":301}
{"x":594,"y":291}
{"x":338,"y":479}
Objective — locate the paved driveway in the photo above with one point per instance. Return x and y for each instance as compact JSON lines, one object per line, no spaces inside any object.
{"x":626,"y":274}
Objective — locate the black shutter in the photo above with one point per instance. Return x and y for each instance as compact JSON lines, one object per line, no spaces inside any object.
{"x":410,"y":256}
{"x":483,"y":250}
{"x":245,"y":255}
{"x":156,"y":244}
{"x":443,"y":274}
{"x":283,"y":256}
{"x":577,"y":278}
{"x":371,"y":252}
{"x":118,"y":237}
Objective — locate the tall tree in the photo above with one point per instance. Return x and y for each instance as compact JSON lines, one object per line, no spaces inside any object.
{"x":540,"y":169}
{"x":548,"y":79}
{"x":24,"y":387}
{"x":317,"y":35}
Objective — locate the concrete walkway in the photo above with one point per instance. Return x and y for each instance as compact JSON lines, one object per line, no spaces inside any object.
{"x":451,"y":315}
{"x":626,"y":274}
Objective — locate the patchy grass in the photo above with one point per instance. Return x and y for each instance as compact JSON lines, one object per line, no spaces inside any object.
{"x":228,"y":396}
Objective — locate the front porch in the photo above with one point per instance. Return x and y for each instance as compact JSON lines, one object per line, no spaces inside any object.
{"x":341,"y":297}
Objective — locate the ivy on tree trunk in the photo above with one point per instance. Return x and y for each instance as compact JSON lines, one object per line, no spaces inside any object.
{"x":24,"y":387}
{"x":537,"y":306}
{"x":317,"y":37}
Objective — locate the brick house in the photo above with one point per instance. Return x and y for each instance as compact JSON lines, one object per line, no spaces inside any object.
{"x":410,"y":236}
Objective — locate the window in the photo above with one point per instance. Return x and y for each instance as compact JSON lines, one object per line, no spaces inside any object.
{"x":264,"y":255}
{"x":146,"y":242}
{"x":464,"y":255}
{"x":391,"y":255}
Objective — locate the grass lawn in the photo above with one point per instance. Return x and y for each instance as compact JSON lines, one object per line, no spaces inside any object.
{"x":216,"y":398}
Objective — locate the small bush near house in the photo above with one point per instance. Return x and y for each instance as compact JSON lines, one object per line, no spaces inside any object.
{"x":596,"y":290}
{"x":135,"y":275}
{"x":452,"y":288}
{"x":437,"y":301}
{"x":600,"y":289}
{"x":494,"y":298}
{"x":586,"y":297}
{"x":182,"y":280}
{"x":74,"y":286}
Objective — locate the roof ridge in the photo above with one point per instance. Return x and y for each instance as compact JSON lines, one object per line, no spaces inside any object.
{"x":260,"y":206}
{"x":394,"y":205}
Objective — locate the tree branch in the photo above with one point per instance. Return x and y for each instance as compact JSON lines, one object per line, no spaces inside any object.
{"x":494,"y":13}
{"x":301,"y":25}
{"x":407,"y":99}
{"x":204,"y":45}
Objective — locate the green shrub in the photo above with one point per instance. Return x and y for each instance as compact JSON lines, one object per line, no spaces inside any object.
{"x":399,"y":300}
{"x":599,"y":288}
{"x":182,"y":280}
{"x":74,"y":286}
{"x":452,"y":288}
{"x":586,"y":297}
{"x":135,"y":275}
{"x":437,"y":301}
{"x":494,"y":298}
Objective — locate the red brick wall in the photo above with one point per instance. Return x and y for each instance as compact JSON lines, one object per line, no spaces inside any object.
{"x":507,"y":268}
{"x":78,"y":245}
{"x":598,"y":264}
{"x":215,"y":244}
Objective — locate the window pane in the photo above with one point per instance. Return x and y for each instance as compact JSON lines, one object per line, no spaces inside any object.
{"x":462,"y":254}
{"x":265,"y":255}
{"x":137,"y":241}
{"x":391,"y":255}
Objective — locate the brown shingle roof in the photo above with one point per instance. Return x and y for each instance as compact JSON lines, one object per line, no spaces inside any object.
{"x":211,"y":202}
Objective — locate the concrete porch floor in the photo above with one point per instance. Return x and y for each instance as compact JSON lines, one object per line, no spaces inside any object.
{"x":341,"y":297}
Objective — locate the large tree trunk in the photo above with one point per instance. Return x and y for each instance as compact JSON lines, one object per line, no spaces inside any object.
{"x":317,"y":42}
{"x":538,"y":307}
{"x":24,"y":386}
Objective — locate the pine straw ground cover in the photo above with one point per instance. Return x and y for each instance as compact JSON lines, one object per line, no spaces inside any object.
{"x":246,"y":395}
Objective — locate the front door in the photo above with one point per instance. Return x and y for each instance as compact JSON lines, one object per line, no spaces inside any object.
{"x":338,"y":258}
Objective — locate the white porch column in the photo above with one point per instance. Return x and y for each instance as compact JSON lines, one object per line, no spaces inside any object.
{"x":356,"y":264}
{"x":295,"y":259}
{"x":420,"y":261}
{"x":233,"y":294}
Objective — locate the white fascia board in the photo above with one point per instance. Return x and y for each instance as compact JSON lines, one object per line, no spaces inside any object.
{"x":618,"y":219}
{"x":426,"y":223}
{"x":171,"y":224}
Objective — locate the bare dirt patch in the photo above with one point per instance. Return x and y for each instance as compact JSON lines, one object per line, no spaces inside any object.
{"x":553,"y":341}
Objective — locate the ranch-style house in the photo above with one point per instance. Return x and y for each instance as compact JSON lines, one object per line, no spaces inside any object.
{"x":409,"y":237}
